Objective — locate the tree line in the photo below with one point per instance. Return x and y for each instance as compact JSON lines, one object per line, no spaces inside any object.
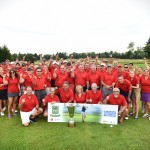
{"x":132,"y":53}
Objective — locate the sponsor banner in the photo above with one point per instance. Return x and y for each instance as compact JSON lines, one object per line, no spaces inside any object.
{"x":105,"y":114}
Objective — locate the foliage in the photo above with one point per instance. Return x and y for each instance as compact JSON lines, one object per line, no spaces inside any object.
{"x":4,"y":53}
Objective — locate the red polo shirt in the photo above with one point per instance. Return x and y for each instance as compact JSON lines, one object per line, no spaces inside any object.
{"x":4,"y":87}
{"x":81,"y":78}
{"x":145,"y":84}
{"x":108,"y":79}
{"x":40,"y":82}
{"x":47,"y":80}
{"x":12,"y":85}
{"x":134,"y":81}
{"x":61,"y":78}
{"x":96,"y":97}
{"x":65,"y":96}
{"x":80,"y":99}
{"x":50,"y":99}
{"x":120,"y":100}
{"x":29,"y":103}
{"x":94,"y":78}
{"x":28,"y":81}
{"x":125,"y":86}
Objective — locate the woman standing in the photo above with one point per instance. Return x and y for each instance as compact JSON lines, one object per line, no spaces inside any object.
{"x":13,"y":91}
{"x":80,"y":96}
{"x":145,"y":87}
{"x":136,"y":93}
{"x":3,"y":91}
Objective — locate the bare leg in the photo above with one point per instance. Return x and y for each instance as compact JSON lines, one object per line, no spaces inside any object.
{"x":123,"y":115}
{"x":10,"y":101}
{"x":14,"y":103}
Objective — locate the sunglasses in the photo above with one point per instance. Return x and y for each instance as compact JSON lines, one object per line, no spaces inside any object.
{"x":12,"y":72}
{"x":125,"y":67}
{"x":38,"y":71}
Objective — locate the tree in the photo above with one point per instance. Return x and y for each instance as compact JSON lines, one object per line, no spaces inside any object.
{"x":4,"y":53}
{"x":131,"y":46}
{"x":147,"y":49}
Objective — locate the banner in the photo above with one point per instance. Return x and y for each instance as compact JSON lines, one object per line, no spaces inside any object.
{"x":105,"y":114}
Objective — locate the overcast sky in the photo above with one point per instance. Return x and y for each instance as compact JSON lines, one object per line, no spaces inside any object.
{"x":48,"y":26}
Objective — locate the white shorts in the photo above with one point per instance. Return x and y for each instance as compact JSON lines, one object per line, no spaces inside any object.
{"x":25,"y":116}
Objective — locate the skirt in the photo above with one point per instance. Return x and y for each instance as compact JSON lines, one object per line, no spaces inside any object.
{"x":145,"y":97}
{"x":13,"y":94}
{"x":3,"y":94}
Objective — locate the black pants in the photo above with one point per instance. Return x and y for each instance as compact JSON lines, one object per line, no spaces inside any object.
{"x":40,"y":96}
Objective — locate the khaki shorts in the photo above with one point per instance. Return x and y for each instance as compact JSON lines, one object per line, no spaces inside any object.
{"x":137,"y":93}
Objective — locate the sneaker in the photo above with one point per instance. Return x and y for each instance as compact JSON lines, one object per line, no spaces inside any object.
{"x":136,"y":117}
{"x":131,"y":114}
{"x":2,"y":114}
{"x":126,"y":118}
{"x":14,"y":114}
{"x":33,"y":120}
{"x":15,"y":111}
{"x":4,"y":108}
{"x":9,"y":116}
{"x":145,"y":115}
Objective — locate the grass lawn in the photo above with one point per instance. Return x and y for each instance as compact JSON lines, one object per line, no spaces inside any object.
{"x":132,"y":135}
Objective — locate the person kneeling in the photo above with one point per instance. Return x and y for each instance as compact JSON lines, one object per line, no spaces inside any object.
{"x":50,"y":98}
{"x":29,"y":107}
{"x":117,"y":99}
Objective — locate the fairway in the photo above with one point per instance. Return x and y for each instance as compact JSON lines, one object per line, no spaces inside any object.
{"x":132,"y":135}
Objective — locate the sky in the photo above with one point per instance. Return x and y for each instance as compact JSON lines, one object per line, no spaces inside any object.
{"x":50,"y":26}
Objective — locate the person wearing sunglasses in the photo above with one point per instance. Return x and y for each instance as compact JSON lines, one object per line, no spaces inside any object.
{"x":13,"y":91}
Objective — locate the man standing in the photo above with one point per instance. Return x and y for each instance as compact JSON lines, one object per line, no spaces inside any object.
{"x":39,"y":83}
{"x":108,"y":82}
{"x":29,"y":107}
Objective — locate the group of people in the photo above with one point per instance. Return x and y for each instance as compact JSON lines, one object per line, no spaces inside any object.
{"x":30,"y":86}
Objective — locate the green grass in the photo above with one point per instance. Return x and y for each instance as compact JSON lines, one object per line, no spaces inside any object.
{"x":132,"y":135}
{"x":78,"y":117}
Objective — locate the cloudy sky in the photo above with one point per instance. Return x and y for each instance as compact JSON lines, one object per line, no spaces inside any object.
{"x":48,"y":26}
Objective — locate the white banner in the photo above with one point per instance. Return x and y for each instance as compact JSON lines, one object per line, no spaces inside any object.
{"x":105,"y":114}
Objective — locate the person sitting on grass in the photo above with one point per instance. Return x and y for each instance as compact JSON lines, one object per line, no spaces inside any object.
{"x":117,"y":99}
{"x":50,"y":98}
{"x":29,"y":107}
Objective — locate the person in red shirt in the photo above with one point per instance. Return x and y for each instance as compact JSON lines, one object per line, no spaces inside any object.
{"x":39,"y":83}
{"x":145,"y":96}
{"x":66,"y":94}
{"x":125,"y":88}
{"x":13,"y":91}
{"x":108,"y":81}
{"x":136,"y":93}
{"x":70,"y":80}
{"x":50,"y":98}
{"x":29,"y":107}
{"x":94,"y":76}
{"x":117,"y":99}
{"x":3,"y":91}
{"x":28,"y":79}
{"x":81,"y":77}
{"x":47,"y":75}
{"x":60,"y":76}
{"x":94,"y":96}
{"x":80,"y":96}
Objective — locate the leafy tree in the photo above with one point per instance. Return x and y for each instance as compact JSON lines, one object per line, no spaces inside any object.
{"x":147,"y":48}
{"x":4,"y":53}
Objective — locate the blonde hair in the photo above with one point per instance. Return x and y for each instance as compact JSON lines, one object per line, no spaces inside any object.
{"x":79,"y":87}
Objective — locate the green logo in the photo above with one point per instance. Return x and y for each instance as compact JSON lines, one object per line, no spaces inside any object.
{"x":55,"y":111}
